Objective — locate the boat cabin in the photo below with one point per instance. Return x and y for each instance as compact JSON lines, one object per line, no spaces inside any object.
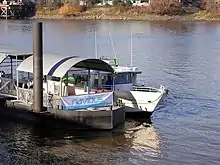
{"x":124,"y":78}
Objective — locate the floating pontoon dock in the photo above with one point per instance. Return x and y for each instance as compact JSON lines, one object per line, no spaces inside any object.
{"x":33,"y":89}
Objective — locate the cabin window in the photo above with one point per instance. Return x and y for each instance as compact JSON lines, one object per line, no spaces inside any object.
{"x":123,"y":78}
{"x":96,"y":82}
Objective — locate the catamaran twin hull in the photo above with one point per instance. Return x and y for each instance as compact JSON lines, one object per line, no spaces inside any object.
{"x":141,"y":101}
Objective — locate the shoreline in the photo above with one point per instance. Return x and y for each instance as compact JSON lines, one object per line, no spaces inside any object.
{"x":126,"y":18}
{"x":109,"y":14}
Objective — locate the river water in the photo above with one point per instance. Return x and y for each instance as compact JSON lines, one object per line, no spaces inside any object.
{"x":182,"y":56}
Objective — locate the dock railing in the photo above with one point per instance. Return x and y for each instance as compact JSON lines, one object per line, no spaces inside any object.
{"x":49,"y":100}
{"x":7,"y":86}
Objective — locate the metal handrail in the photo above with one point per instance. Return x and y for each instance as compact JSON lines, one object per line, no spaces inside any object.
{"x":144,"y":88}
{"x":7,"y":86}
{"x":107,"y":86}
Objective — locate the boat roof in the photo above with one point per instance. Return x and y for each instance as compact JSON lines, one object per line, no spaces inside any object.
{"x":120,"y":69}
{"x":57,"y":65}
{"x":14,"y":54}
{"x":126,"y":69}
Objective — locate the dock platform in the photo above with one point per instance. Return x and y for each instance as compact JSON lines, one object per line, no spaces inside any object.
{"x":100,"y":119}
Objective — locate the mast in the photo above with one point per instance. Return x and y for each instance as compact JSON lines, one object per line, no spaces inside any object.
{"x":96,"y":50}
{"x":112,"y":45}
{"x":131,"y":50}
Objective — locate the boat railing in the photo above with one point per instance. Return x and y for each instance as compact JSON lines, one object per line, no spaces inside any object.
{"x":107,"y":87}
{"x":7,"y":86}
{"x":143,"y":88}
{"x":49,"y":100}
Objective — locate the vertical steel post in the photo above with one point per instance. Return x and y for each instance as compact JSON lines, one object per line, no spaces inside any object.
{"x":88,"y":82}
{"x":38,"y":66}
{"x":17,"y":76}
{"x":11,"y":68}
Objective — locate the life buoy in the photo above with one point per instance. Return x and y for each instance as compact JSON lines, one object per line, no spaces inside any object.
{"x":2,"y":73}
{"x":99,"y":90}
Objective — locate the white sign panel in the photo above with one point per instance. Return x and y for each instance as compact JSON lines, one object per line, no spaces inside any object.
{"x":87,"y":101}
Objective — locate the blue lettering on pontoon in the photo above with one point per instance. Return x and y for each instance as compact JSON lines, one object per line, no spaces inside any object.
{"x":86,"y":101}
{"x":89,"y":100}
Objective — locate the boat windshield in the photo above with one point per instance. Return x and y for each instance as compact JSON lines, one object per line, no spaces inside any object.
{"x":123,"y":78}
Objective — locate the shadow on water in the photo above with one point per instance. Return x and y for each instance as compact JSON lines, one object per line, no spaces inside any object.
{"x":48,"y":131}
{"x":27,"y":143}
{"x":176,"y":28}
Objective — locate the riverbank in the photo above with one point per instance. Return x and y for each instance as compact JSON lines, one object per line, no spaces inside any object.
{"x":112,"y":13}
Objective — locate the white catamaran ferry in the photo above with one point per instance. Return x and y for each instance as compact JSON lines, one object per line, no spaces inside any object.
{"x":139,"y":100}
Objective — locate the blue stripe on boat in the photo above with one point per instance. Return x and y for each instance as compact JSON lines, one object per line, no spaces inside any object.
{"x":53,"y":69}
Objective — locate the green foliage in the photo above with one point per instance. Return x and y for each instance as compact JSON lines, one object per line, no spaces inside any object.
{"x":211,"y":6}
{"x":122,"y":3}
{"x":166,"y":7}
{"x":83,"y":8}
{"x":93,"y":2}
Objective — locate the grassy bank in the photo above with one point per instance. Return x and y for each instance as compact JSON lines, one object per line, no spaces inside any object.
{"x":69,"y":12}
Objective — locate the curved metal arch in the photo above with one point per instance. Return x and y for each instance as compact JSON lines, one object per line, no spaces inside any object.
{"x":57,"y":66}
{"x":93,"y":64}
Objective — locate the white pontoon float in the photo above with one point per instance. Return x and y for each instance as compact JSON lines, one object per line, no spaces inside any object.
{"x":61,"y":100}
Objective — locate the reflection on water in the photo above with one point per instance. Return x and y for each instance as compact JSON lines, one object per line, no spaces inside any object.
{"x":31,"y":144}
{"x":175,"y":28}
{"x":138,"y":145}
{"x":145,"y":144}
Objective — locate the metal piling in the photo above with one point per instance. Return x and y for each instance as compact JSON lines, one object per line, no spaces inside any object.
{"x":38,"y":66}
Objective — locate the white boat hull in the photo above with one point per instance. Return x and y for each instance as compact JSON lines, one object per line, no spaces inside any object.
{"x":142,"y":101}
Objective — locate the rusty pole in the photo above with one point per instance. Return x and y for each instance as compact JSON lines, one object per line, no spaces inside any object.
{"x":38,"y":66}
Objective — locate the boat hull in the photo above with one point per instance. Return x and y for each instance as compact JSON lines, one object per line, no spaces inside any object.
{"x":141,"y":103}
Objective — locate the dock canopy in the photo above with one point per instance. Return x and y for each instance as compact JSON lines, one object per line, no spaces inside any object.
{"x":5,"y":53}
{"x":57,"y":65}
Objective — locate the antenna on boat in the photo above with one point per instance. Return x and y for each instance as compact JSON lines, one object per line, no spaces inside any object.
{"x":96,"y":50}
{"x":112,"y":45}
{"x":131,"y":50}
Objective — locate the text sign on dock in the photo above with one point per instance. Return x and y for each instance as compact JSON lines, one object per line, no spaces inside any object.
{"x":87,"y":101}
